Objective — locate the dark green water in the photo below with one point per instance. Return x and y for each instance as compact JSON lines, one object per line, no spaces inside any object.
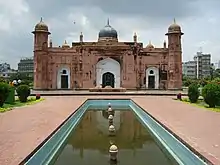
{"x":89,"y":142}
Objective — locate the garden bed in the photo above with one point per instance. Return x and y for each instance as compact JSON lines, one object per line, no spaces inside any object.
{"x":201,"y":104}
{"x":17,"y":103}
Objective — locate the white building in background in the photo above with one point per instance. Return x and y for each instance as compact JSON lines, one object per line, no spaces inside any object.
{"x":199,"y":68}
{"x":6,"y":71}
{"x":4,"y":67}
{"x":203,"y":65}
{"x":189,"y":69}
{"x":218,"y":65}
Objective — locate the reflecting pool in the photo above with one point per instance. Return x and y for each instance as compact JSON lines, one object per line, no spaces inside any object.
{"x":89,"y":142}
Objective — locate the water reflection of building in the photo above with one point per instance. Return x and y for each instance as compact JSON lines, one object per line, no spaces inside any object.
{"x":90,"y":135}
{"x":89,"y":143}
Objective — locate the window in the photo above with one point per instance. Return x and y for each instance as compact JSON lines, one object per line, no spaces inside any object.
{"x":64,"y":72}
{"x":151,"y":72}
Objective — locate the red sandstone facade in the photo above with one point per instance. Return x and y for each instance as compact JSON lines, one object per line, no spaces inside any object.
{"x":107,"y":62}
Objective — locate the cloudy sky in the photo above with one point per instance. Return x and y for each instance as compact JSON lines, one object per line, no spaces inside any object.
{"x":199,"y":20}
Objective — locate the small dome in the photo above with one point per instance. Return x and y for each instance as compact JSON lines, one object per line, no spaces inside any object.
{"x":41,"y":26}
{"x":174,"y":27}
{"x":65,"y":45}
{"x":108,"y":32}
{"x":150,"y":46}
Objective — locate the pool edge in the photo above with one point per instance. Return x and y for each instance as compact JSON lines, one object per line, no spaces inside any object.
{"x":192,"y":149}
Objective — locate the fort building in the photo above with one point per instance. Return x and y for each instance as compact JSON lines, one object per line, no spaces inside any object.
{"x":107,"y":61}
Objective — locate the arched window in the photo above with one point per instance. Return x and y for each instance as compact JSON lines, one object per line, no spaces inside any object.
{"x":151,"y":72}
{"x":64,"y":72}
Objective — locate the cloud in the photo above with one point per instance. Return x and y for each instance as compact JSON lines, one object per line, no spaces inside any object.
{"x":150,"y":19}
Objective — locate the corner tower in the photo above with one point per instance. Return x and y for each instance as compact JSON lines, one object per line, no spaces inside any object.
{"x":41,"y":34}
{"x":175,"y":56}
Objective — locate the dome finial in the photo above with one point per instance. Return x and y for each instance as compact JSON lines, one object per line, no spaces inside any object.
{"x":150,"y":45}
{"x":174,"y":20}
{"x":41,"y":26}
{"x":65,"y":44}
{"x":108,"y":22}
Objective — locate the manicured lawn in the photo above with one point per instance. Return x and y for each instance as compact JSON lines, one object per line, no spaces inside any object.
{"x":200,"y":103}
{"x":17,"y":103}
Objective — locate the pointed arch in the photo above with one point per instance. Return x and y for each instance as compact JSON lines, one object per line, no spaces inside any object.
{"x":108,"y":65}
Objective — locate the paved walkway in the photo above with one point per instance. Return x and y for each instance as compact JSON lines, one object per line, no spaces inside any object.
{"x":199,"y":127}
{"x":24,"y":128}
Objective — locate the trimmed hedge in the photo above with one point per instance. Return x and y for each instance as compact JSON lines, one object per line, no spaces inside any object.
{"x":4,"y":92}
{"x":23,"y":92}
{"x":193,"y":93}
{"x":211,"y":94}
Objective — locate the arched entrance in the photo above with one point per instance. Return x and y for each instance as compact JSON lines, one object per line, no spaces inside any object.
{"x":108,"y":79}
{"x":63,"y":78}
{"x":152,"y":78}
{"x":109,"y":71}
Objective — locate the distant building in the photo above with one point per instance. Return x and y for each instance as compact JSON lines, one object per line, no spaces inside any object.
{"x":218,"y":65}
{"x":6,"y":71}
{"x":203,"y":65}
{"x":199,"y":68}
{"x":189,"y":69}
{"x":26,"y":66}
{"x":4,"y":67}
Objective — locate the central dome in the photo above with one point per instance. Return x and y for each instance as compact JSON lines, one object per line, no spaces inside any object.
{"x":108,"y":32}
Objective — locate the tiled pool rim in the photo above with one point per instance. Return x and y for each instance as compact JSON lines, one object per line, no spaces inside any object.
{"x":48,"y":149}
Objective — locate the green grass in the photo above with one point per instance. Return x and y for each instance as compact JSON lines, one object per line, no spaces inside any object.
{"x":201,"y":104}
{"x":17,"y":103}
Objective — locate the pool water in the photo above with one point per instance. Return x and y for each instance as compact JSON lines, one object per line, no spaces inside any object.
{"x":89,"y":142}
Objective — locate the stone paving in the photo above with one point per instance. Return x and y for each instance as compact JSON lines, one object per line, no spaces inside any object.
{"x":196,"y":126}
{"x":24,"y":128}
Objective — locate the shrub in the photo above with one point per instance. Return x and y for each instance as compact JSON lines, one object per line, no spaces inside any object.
{"x":187,"y":82}
{"x":23,"y":92}
{"x":203,"y":82}
{"x":37,"y":96}
{"x":193,"y":93}
{"x":211,"y":94}
{"x":4,"y":92}
{"x":11,"y":96}
{"x":216,"y":80}
{"x":2,"y":80}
